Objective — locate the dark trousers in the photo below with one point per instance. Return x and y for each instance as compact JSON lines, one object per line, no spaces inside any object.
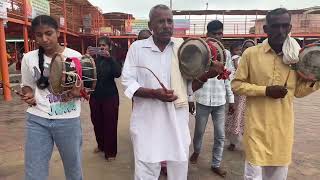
{"x":104,"y":117}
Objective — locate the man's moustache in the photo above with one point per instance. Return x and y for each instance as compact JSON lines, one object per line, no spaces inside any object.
{"x":166,"y":32}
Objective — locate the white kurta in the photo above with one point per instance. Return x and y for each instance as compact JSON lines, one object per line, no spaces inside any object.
{"x":158,"y":130}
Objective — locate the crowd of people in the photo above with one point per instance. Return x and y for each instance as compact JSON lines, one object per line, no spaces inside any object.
{"x":256,"y":102}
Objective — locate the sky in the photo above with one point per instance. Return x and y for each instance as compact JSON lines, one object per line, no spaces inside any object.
{"x":140,"y":8}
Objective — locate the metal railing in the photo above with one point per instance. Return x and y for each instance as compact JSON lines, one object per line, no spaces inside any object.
{"x":233,"y":24}
{"x":74,"y":13}
{"x":15,"y":10}
{"x":237,"y":24}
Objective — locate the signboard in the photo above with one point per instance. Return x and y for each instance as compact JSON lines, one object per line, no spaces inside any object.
{"x":134,"y":26}
{"x":105,"y":30}
{"x":181,"y":24}
{"x":62,"y":22}
{"x":40,"y":7}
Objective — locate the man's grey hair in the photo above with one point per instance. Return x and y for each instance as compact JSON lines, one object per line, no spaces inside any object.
{"x":156,"y":7}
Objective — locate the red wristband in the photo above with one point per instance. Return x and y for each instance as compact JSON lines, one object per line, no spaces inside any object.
{"x":204,"y":78}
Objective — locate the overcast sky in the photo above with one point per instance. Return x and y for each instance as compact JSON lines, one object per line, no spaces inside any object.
{"x":140,"y":8}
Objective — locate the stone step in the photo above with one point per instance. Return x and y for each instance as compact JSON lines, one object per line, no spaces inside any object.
{"x":15,"y":78}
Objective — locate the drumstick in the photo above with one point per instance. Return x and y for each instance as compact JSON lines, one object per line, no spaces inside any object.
{"x":15,"y":91}
{"x":161,"y":84}
{"x":285,"y":83}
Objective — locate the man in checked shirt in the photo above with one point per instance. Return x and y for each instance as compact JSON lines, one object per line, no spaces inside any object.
{"x":212,"y":99}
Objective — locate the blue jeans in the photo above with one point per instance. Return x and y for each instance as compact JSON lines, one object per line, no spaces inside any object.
{"x":218,"y":119}
{"x":41,"y":134}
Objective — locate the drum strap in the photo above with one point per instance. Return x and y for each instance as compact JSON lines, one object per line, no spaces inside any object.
{"x":213,"y":51}
{"x":77,"y":63}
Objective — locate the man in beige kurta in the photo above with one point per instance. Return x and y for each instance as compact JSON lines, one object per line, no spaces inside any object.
{"x":269,"y":122}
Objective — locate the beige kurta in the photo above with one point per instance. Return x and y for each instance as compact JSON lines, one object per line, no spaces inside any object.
{"x":269,"y":123}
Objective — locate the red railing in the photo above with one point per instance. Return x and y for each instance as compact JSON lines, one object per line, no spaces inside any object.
{"x":237,"y":25}
{"x":234,"y":25}
{"x":246,"y":25}
{"x":74,"y":15}
{"x":15,"y":10}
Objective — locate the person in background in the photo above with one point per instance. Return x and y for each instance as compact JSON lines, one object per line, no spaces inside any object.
{"x":144,"y":34}
{"x":211,"y":99}
{"x":235,"y":50}
{"x":50,"y":119}
{"x":246,"y":44}
{"x":104,"y":101}
{"x":235,"y":120}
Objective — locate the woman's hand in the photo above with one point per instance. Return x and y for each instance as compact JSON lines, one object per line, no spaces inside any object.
{"x":28,"y":96}
{"x":104,"y":53}
{"x":75,"y":92}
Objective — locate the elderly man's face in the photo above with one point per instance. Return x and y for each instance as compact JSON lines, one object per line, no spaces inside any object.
{"x":162,"y":25}
{"x":278,"y":28}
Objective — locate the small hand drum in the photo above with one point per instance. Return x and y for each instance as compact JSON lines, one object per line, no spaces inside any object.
{"x":89,"y":73}
{"x":308,"y":66}
{"x":196,"y":55}
{"x":65,"y":73}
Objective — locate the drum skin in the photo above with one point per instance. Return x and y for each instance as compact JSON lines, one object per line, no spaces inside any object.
{"x":56,"y":76}
{"x":89,"y":74}
{"x":308,"y":66}
{"x":195,"y":56}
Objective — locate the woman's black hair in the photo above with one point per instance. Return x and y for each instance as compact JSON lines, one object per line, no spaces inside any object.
{"x":106,"y":40}
{"x":43,"y":81}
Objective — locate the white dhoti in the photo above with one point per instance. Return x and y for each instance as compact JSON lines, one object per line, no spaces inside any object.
{"x":252,"y":172}
{"x":151,"y":171}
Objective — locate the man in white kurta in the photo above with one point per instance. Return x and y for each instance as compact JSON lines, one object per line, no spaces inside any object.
{"x":159,"y":121}
{"x":159,"y":131}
